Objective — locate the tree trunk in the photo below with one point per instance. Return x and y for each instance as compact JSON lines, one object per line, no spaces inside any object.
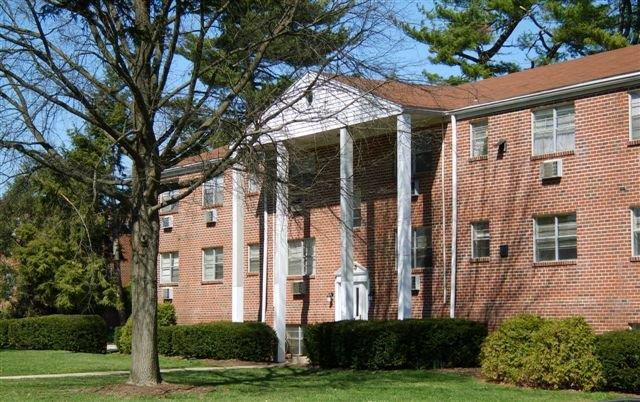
{"x":145,"y":369}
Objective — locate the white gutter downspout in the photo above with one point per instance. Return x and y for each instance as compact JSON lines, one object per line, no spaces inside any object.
{"x":443,"y":155}
{"x":265,"y":250}
{"x":454,"y":213}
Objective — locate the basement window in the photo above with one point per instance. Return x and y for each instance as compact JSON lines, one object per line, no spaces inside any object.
{"x":295,"y":340}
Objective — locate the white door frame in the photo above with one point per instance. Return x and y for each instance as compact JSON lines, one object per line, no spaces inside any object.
{"x":360,"y":293}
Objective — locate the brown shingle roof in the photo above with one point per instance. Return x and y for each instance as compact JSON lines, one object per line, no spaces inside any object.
{"x":539,"y":79}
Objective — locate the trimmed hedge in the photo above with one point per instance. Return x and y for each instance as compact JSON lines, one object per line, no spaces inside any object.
{"x":372,"y":345}
{"x":619,"y":353}
{"x":545,"y":353}
{"x":76,"y":333}
{"x":219,"y":340}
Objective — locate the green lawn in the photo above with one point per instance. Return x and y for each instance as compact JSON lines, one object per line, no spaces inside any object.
{"x":264,"y":384}
{"x":18,"y":362}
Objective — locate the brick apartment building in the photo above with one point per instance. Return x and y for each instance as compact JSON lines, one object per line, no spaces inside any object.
{"x":513,"y":194}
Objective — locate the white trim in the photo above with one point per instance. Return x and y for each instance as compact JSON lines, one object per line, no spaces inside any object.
{"x":403,"y":243}
{"x":454,"y":215}
{"x":346,"y":228}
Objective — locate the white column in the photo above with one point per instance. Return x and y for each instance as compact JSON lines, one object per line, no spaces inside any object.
{"x":346,"y":229}
{"x":237,"y":245}
{"x":403,"y":144}
{"x":281,"y":250}
{"x":454,"y":215}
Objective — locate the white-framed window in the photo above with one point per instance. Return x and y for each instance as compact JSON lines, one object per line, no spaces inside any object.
{"x":556,"y":238}
{"x":295,"y":340}
{"x":421,"y":247}
{"x":253,"y":183}
{"x":167,"y":195}
{"x":634,"y":115}
{"x":635,"y":231}
{"x":254,"y":258}
{"x":212,"y":264}
{"x":480,"y":240}
{"x":169,"y":267}
{"x":301,"y":257}
{"x":421,"y":153}
{"x":357,"y":208}
{"x":479,"y":138}
{"x":213,"y":191}
{"x":553,"y":130}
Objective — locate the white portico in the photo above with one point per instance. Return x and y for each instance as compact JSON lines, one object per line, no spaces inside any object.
{"x":323,"y":106}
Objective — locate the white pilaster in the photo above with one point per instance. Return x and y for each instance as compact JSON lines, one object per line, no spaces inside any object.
{"x":403,"y":144}
{"x":346,"y":229}
{"x":454,"y":215}
{"x":281,"y":249}
{"x":237,"y":245}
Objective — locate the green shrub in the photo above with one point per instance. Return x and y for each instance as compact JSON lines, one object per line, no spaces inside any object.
{"x":4,"y":328}
{"x":224,"y":340}
{"x":505,"y":350}
{"x":123,"y":338}
{"x":528,"y":350}
{"x":619,"y":353}
{"x":166,"y":314}
{"x":77,"y":333}
{"x":218,"y":340}
{"x":395,"y":344}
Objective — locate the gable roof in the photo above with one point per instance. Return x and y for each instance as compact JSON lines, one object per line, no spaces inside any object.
{"x":527,"y":82}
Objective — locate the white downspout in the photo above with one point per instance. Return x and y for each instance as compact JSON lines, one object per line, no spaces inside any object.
{"x":444,"y":222}
{"x":454,"y":213}
{"x":265,"y":251}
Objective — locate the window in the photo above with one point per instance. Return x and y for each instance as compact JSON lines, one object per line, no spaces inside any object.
{"x":357,"y":209}
{"x":555,"y":238}
{"x":254,"y":258}
{"x":553,"y":130}
{"x":301,"y":257}
{"x":169,"y":267}
{"x":421,"y":248}
{"x":212,"y":264}
{"x":422,"y":158}
{"x":167,"y":195}
{"x":634,"y":111}
{"x":295,"y":340}
{"x":253,"y":183}
{"x":479,"y":140}
{"x":635,"y":231}
{"x":213,"y":191}
{"x":301,"y":176}
{"x":480,"y":240}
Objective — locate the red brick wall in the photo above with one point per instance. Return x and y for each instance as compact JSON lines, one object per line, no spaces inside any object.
{"x":601,"y":181}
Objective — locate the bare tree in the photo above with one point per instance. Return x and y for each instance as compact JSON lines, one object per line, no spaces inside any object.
{"x":187,"y":76}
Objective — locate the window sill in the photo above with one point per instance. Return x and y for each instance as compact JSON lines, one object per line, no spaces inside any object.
{"x":633,"y":143}
{"x":479,"y":158}
{"x":252,"y":194}
{"x":167,"y":213}
{"x":552,"y":155}
{"x":554,"y":263}
{"x":635,"y":259}
{"x":478,"y":260}
{"x":213,"y":282}
{"x":212,"y":206}
{"x":253,"y":273}
{"x":164,"y":285}
{"x":300,"y":277}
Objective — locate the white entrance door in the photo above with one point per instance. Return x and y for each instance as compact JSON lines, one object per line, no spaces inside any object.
{"x":360,"y":293}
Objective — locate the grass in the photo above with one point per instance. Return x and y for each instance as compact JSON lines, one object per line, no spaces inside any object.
{"x":19,"y":362}
{"x":264,"y":384}
{"x":297,"y":384}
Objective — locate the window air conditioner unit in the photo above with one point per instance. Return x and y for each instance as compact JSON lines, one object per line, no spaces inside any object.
{"x":211,"y":216}
{"x":415,"y":187}
{"x":166,"y":222}
{"x":551,"y":169}
{"x":298,"y":288}
{"x":167,"y":293}
{"x":415,"y":283}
